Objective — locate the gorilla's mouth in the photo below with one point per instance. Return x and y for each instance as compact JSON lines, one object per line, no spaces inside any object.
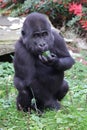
{"x":40,"y":50}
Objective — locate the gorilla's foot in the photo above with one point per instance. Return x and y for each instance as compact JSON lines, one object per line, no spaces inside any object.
{"x":53,"y":104}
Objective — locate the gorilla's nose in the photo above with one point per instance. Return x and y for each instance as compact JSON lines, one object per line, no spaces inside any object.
{"x":42,"y":44}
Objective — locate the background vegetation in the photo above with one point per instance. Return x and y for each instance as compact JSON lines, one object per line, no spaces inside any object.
{"x":69,"y":13}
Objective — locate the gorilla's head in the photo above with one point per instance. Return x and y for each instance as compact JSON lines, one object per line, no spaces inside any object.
{"x":36,"y":33}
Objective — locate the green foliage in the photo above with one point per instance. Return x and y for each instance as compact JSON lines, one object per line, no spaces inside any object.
{"x":54,"y":10}
{"x":28,"y":5}
{"x":71,"y":116}
{"x":73,"y":21}
{"x":60,"y":12}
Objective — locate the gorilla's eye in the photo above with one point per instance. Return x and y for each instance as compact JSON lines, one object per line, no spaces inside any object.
{"x":23,"y":33}
{"x":44,"y":34}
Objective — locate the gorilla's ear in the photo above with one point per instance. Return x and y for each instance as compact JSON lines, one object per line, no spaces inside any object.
{"x":23,"y":33}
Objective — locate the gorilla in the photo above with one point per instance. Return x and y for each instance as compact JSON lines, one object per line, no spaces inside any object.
{"x":40,"y":59}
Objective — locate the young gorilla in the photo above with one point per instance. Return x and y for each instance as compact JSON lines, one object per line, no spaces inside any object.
{"x":38,"y":74}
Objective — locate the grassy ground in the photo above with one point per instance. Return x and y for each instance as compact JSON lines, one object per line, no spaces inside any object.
{"x":72,"y":116}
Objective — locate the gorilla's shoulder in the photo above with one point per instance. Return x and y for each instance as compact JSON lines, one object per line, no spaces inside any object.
{"x":19,"y":46}
{"x":57,"y":36}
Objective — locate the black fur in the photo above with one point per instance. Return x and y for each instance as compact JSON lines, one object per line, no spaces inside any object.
{"x":43,"y":74}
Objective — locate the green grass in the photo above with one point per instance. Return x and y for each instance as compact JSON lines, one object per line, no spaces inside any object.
{"x":72,"y":115}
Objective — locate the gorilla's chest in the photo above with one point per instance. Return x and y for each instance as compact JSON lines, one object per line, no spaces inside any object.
{"x":43,"y":70}
{"x":47,"y":74}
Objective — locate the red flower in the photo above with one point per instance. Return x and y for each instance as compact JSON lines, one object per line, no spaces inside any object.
{"x":75,"y":8}
{"x":83,"y":24}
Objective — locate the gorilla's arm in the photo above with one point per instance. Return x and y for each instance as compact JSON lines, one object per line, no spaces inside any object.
{"x":24,"y":67}
{"x":64,"y":60}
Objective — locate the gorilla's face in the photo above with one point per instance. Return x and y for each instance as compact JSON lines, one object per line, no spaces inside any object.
{"x":36,"y":33}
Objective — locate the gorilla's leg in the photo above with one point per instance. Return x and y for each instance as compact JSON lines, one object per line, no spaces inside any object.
{"x":62,"y":91}
{"x":47,"y":102}
{"x":52,"y":104}
{"x":24,"y":100}
{"x":44,"y":98}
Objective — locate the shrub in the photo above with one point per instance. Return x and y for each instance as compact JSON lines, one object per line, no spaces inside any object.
{"x":70,"y":12}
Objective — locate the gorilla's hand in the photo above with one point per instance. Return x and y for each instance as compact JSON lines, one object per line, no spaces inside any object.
{"x":48,"y":58}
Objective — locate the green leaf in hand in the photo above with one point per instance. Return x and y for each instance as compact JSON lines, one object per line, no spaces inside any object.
{"x":46,"y":53}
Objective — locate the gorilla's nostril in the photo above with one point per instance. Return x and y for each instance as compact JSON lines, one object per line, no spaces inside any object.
{"x":42,"y":44}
